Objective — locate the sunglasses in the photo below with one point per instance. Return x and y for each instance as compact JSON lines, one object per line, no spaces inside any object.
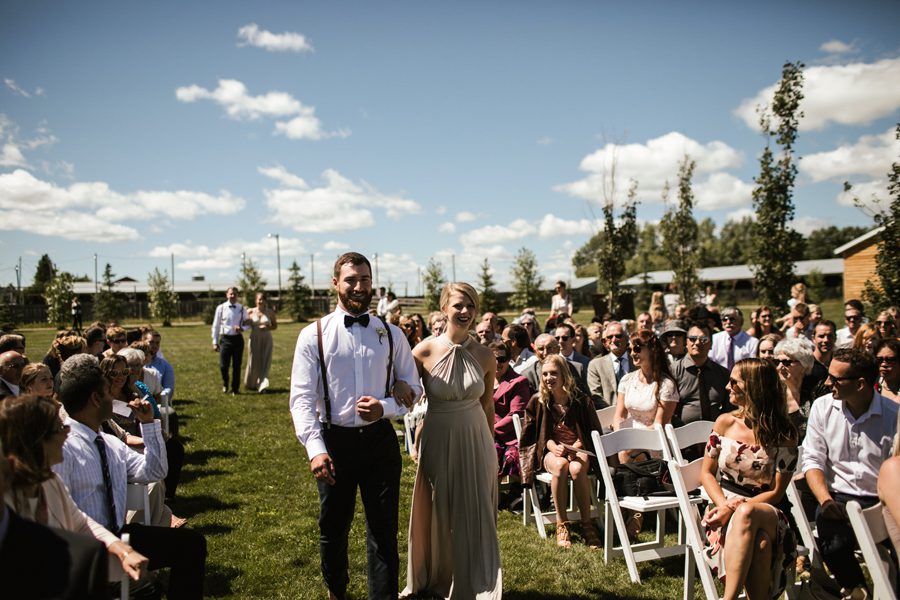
{"x":120,"y":340}
{"x":563,"y":338}
{"x":57,"y":430}
{"x":502,"y":359}
{"x":836,"y":379}
{"x":409,"y":325}
{"x":885,"y":359}
{"x":119,"y":373}
{"x":727,"y":318}
{"x":884,"y":323}
{"x":785,"y":362}
{"x":852,"y":317}
{"x":698,"y":339}
{"x":636,"y":348}
{"x":734,"y":382}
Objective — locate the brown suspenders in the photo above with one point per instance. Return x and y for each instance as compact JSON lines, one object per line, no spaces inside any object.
{"x":323,"y":368}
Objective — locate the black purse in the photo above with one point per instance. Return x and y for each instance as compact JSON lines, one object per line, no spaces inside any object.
{"x":643,"y":478}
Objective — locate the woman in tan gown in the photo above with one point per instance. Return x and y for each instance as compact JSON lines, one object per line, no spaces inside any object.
{"x":453,"y":548}
{"x":262,"y":322}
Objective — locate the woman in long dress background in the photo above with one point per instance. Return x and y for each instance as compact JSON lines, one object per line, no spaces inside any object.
{"x":259,"y":360}
{"x":453,"y":548}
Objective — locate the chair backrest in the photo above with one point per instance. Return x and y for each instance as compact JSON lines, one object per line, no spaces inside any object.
{"x":606,"y":415}
{"x":138,"y":499}
{"x":630,"y":438}
{"x":685,"y":436}
{"x":870,"y":529}
{"x":517,"y":425}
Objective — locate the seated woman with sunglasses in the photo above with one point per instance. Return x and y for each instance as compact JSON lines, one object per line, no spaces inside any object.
{"x":511,"y":394}
{"x":750,"y":459}
{"x":794,"y":360}
{"x":558,"y":421}
{"x":646,"y":396}
{"x":887,"y":357}
{"x":32,"y":436}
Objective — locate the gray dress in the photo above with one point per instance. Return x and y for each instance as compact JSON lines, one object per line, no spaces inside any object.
{"x":259,"y":358}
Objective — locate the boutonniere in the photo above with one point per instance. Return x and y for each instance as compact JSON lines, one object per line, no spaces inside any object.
{"x":381,"y":331}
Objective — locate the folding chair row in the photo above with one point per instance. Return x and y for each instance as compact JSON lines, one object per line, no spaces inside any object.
{"x":870,"y":530}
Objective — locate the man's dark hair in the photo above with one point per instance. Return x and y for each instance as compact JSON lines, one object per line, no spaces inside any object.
{"x":520,"y":335}
{"x":149,"y":331}
{"x":862,"y":364}
{"x":828,"y":323}
{"x":133,"y":335}
{"x":502,"y":323}
{"x":93,"y":335}
{"x":350,"y":258}
{"x":79,"y":377}
{"x":704,"y":325}
{"x":571,"y":330}
{"x":498,"y":346}
{"x":11,"y":341}
{"x":854,"y":303}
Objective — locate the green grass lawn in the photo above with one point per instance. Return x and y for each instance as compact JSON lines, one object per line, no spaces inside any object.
{"x":246,"y":485}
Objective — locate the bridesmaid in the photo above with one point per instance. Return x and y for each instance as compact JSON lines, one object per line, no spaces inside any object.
{"x":262,"y":322}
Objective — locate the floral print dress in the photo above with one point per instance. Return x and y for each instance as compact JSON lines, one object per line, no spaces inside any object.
{"x":752,"y":469}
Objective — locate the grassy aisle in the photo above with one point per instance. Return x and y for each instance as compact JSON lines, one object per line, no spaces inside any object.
{"x":247,"y":487}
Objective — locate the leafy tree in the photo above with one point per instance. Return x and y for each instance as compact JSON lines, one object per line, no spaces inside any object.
{"x":886,"y":290}
{"x":58,"y":295}
{"x":109,"y":305}
{"x":735,"y":243}
{"x":163,"y":299}
{"x":775,"y":245}
{"x":526,"y":280}
{"x":707,"y":243}
{"x":43,"y":275}
{"x":433,"y":281}
{"x":679,"y":236}
{"x":618,"y":243}
{"x":296,"y":300}
{"x":250,"y":282}
{"x":488,"y":298}
{"x":821,"y":243}
{"x":648,"y":254}
{"x":815,"y":285}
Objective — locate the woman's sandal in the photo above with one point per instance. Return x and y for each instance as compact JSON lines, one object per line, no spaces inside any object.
{"x":562,"y":535}
{"x":591,"y":534}
{"x":634,"y":524}
{"x":177,"y":522}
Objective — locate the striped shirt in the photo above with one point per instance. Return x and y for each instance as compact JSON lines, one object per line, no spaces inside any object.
{"x":83,"y":475}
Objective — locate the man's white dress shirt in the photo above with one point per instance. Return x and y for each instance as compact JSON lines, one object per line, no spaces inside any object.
{"x":523,"y":362}
{"x":82,"y":472}
{"x":843,"y":338}
{"x":744,"y":346}
{"x":849,"y":451}
{"x":356,"y":360}
{"x":228,"y":316}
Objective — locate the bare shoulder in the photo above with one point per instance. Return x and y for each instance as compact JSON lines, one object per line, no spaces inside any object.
{"x":725,"y":422}
{"x":423,"y":350}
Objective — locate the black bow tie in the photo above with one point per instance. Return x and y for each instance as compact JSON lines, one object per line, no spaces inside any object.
{"x":361,"y":319}
{"x":232,"y":306}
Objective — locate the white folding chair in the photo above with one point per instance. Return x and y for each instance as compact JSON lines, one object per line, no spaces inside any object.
{"x":870,"y":530}
{"x":138,"y":499}
{"x":606,"y":415}
{"x":685,"y":437}
{"x":610,"y":445}
{"x":685,"y":479}
{"x":805,"y":527}
{"x":165,"y":411}
{"x":409,"y":425}
{"x":531,"y":507}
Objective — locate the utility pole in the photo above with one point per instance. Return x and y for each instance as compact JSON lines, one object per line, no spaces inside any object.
{"x":377,"y":280}
{"x":172,"y":258}
{"x":96,"y":285}
{"x":312,"y":275}
{"x":453,"y":263}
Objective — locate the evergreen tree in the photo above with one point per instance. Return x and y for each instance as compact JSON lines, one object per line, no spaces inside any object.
{"x":109,"y":305}
{"x":775,"y":245}
{"x":43,"y":275}
{"x":433,"y":281}
{"x":488,"y":298}
{"x":618,"y":244}
{"x":296,"y":300}
{"x":886,"y":290}
{"x":58,"y":295}
{"x":527,"y":283}
{"x":680,"y":234}
{"x":250,"y":282}
{"x":163,"y":299}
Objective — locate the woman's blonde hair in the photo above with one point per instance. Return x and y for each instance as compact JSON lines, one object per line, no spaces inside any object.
{"x":568,"y":383}
{"x":466,"y":290}
{"x":30,"y":374}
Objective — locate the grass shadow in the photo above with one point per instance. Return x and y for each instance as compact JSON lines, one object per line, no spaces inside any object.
{"x":195,"y":474}
{"x":218,"y":580}
{"x":213,"y":529}
{"x":190,"y":506}
{"x":202,"y":457}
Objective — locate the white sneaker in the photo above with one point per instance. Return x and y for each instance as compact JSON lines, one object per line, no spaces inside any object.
{"x":263,"y":385}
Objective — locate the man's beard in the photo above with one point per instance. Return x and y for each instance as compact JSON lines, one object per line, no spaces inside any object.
{"x":356,"y":306}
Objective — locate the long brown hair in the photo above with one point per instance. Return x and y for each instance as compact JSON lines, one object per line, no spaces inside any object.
{"x":659,"y":364}
{"x":25,"y":422}
{"x":766,"y":405}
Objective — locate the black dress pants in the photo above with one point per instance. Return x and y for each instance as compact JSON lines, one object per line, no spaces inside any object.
{"x":231,"y":353}
{"x":367,"y":458}
{"x":838,"y":542}
{"x":182,"y":550}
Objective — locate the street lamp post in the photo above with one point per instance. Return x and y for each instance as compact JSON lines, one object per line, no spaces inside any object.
{"x":278,"y":258}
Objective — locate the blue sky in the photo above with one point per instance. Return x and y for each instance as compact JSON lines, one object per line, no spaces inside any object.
{"x":410,"y":129}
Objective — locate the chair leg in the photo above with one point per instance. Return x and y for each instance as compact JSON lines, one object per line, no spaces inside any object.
{"x":537,"y":513}
{"x":689,"y":572}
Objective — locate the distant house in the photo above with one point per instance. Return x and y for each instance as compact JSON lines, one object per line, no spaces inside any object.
{"x":859,"y":262}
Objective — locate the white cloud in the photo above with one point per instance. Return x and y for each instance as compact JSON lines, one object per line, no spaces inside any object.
{"x":545,"y":141}
{"x":16,"y":88}
{"x":447,"y":227}
{"x":340,"y":246}
{"x":338,"y":205}
{"x":227,"y":256}
{"x":654,"y":163}
{"x":498,"y":234}
{"x":837,"y":47}
{"x":465,"y":216}
{"x":81,"y":210}
{"x":870,"y":193}
{"x":440,"y":210}
{"x":12,"y":148}
{"x":11,"y":156}
{"x":806,"y":225}
{"x":552,"y":226}
{"x":740,"y":213}
{"x":288,"y":41}
{"x":850,"y":94}
{"x":870,"y":156}
{"x":232,"y":95}
{"x":283,"y":176}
